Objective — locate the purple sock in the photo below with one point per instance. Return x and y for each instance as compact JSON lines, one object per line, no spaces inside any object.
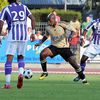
{"x":21,"y":63}
{"x":83,"y":66}
{"x":8,"y":67}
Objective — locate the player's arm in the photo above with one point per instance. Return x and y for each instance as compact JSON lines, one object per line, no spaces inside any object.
{"x":33,"y":23}
{"x":83,"y":35}
{"x":3,"y":18}
{"x":45,"y":37}
{"x":1,"y":26}
{"x":41,"y":41}
{"x":88,"y":27}
{"x":32,"y":18}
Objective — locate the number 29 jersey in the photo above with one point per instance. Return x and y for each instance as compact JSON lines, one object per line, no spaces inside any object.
{"x":16,"y":17}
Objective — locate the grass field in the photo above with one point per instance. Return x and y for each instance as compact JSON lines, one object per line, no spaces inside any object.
{"x":54,"y":87}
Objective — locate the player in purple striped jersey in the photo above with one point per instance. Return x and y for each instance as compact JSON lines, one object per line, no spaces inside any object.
{"x":15,"y":14}
{"x":94,"y":47}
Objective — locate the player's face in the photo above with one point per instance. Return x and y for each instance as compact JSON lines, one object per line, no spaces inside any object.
{"x":53,"y":20}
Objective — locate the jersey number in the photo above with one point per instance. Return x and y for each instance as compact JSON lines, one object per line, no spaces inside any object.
{"x":18,"y":16}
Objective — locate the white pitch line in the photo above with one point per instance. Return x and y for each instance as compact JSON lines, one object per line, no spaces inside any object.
{"x":54,"y":72}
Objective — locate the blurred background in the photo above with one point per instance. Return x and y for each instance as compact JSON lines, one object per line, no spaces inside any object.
{"x":66,"y":10}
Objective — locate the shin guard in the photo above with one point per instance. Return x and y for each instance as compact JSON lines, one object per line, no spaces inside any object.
{"x":8,"y":67}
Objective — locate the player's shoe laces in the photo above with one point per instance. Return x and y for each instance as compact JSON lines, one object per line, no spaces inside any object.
{"x":6,"y":86}
{"x":43,"y":75}
{"x":76,"y":79}
{"x":20,"y":81}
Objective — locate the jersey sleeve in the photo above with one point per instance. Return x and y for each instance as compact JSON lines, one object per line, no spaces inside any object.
{"x":28,"y":11}
{"x":70,"y":27}
{"x":63,"y":24}
{"x":67,"y":27}
{"x":3,"y":15}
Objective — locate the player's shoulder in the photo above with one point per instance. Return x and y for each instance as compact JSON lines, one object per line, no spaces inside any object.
{"x":4,"y":9}
{"x":22,"y":5}
{"x":63,"y":24}
{"x":47,"y":27}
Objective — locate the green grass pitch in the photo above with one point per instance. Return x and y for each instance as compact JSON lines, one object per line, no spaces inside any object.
{"x":54,"y":87}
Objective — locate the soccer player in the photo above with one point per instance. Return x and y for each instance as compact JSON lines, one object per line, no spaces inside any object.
{"x":15,"y":14}
{"x":94,"y":48}
{"x":74,"y":40}
{"x":88,"y":36}
{"x":59,"y":45}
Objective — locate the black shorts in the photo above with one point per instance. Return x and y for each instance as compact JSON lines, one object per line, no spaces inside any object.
{"x":63,"y":52}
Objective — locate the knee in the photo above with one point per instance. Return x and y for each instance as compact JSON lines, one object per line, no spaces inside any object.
{"x":83,"y":60}
{"x":43,"y":55}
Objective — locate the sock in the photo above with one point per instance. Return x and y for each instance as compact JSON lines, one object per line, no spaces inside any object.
{"x":8,"y":79}
{"x":83,"y":66}
{"x":44,"y":65}
{"x":8,"y":70}
{"x":80,"y":73}
{"x":21,"y":70}
{"x":21,"y":65}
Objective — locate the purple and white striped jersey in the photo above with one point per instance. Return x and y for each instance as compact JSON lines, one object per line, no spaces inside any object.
{"x":95,"y":25}
{"x":16,"y":17}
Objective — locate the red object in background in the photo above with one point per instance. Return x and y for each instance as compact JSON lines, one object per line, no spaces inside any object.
{"x":74,"y":40}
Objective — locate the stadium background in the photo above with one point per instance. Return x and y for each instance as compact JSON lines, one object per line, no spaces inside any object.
{"x":56,"y":86}
{"x":32,"y":56}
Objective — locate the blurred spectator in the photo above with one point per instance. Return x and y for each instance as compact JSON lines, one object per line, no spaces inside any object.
{"x":29,"y":32}
{"x":74,"y":37}
{"x":39,"y":35}
{"x":88,"y":34}
{"x":84,"y":25}
{"x":58,"y":19}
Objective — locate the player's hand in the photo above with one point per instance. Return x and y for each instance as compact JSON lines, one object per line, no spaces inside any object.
{"x":32,"y":37}
{"x":82,"y":41}
{"x":1,"y":34}
{"x":36,"y":45}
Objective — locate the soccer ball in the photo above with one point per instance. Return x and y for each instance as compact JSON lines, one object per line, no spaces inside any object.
{"x":28,"y":73}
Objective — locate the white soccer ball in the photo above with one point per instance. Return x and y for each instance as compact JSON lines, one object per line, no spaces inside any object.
{"x":28,"y":73}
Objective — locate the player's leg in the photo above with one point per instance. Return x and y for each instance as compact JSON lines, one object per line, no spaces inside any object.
{"x":68,"y":56}
{"x":8,"y":71}
{"x":21,"y":63}
{"x":90,"y":52}
{"x":11,"y":50}
{"x":43,"y":55}
{"x":82,"y":64}
{"x":77,"y":68}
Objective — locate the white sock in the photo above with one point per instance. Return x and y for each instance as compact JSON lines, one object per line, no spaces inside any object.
{"x":8,"y":79}
{"x":21,"y":70}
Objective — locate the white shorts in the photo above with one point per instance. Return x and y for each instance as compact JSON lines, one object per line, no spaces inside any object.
{"x":84,"y":47}
{"x":17,"y":47}
{"x":92,"y":51}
